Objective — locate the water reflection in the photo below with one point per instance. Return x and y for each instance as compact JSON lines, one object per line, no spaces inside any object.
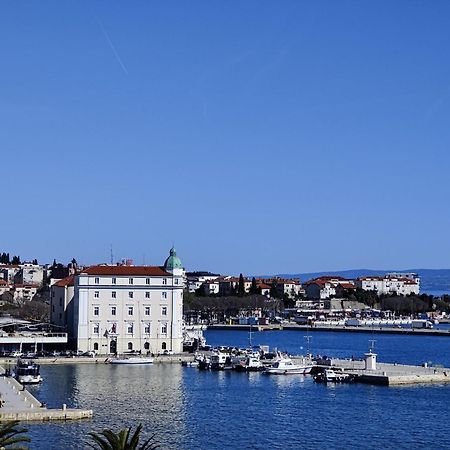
{"x":120,"y":396}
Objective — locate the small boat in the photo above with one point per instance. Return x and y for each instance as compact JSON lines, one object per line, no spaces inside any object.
{"x":252,"y":363}
{"x":132,"y":360}
{"x":284,"y":365}
{"x":27,"y":372}
{"x":221,"y":361}
{"x":331,"y":376}
{"x":190,"y":363}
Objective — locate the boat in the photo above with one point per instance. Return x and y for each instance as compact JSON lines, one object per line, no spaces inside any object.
{"x":221,"y":361}
{"x":132,"y":360}
{"x":251,"y":363}
{"x":194,"y":363}
{"x":27,"y":372}
{"x":284,"y":365}
{"x":332,"y":376}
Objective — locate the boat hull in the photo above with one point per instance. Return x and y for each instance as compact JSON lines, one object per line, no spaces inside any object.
{"x":133,"y":361}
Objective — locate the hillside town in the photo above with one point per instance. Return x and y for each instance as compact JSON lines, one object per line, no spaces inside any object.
{"x":115,"y":308}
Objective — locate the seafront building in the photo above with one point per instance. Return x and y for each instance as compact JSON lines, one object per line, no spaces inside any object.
{"x":390,"y":284}
{"x":122,"y":308}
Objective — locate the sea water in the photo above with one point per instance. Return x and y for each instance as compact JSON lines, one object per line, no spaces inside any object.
{"x":192,"y":409}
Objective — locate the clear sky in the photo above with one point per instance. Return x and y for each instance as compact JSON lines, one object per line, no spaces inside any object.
{"x":259,"y":136}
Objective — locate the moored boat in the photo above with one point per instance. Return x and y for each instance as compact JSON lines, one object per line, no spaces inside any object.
{"x":132,"y":360}
{"x":27,"y":372}
{"x":332,"y":376}
{"x":284,"y":365}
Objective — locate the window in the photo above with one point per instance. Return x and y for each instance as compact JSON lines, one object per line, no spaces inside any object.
{"x":113,"y":280}
{"x":113,"y":310}
{"x":96,"y":328}
{"x":95,"y":345}
{"x":176,"y":280}
{"x":164,"y":311}
{"x":130,"y":328}
{"x":147,"y":281}
{"x":147,"y":346}
{"x":164,"y":346}
{"x":130,"y":280}
{"x":164,"y":280}
{"x":96,"y":280}
{"x":147,"y":328}
{"x":96,"y":310}
{"x":164,"y":328}
{"x":147,"y":310}
{"x":130,"y":294}
{"x":113,"y":294}
{"x":164,"y":295}
{"x":130,"y":310}
{"x":130,"y":346}
{"x":147,"y":294}
{"x":96,"y":294}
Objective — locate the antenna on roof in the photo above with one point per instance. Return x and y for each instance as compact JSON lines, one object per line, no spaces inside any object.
{"x":112,"y":256}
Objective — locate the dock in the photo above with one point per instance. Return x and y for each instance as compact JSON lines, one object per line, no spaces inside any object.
{"x":19,"y":404}
{"x":386,"y":374}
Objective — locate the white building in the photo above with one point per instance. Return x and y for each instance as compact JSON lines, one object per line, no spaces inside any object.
{"x":30,"y":274}
{"x":328,"y":286}
{"x":61,"y":303}
{"x":128,"y":308}
{"x":389,"y":284}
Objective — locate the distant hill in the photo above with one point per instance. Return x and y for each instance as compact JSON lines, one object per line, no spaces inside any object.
{"x":431,"y":279}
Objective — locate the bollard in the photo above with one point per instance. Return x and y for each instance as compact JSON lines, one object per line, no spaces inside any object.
{"x":64,"y":406}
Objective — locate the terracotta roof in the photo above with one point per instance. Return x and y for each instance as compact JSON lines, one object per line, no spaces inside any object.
{"x":348,"y":285}
{"x":3,"y":282}
{"x":263,"y":286}
{"x":68,"y":281}
{"x":150,"y":271}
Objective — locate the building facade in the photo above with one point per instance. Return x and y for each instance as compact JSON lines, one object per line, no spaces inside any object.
{"x":119,"y":309}
{"x":389,"y":284}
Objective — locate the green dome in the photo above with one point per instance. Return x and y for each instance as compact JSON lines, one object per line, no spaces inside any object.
{"x":173,"y":262}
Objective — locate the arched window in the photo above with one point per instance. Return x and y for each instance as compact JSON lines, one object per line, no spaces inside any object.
{"x":147,"y":346}
{"x":96,"y":346}
{"x":163,"y":345}
{"x":130,"y":346}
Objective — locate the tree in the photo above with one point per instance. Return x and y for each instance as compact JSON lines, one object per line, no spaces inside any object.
{"x":254,"y":287}
{"x":108,"y":440}
{"x":241,"y":286}
{"x":10,"y":435}
{"x":35,"y":262}
{"x":15,"y":260}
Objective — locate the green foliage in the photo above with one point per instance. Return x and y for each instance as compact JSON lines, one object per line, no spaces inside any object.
{"x":109,"y":440}
{"x":253,"y":287}
{"x":15,"y":260}
{"x":11,"y":435}
{"x":241,"y":286}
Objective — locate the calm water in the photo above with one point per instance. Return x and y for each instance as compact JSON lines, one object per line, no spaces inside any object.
{"x":190,"y":409}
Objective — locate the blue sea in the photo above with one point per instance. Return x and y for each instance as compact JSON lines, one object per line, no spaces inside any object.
{"x":192,"y":409}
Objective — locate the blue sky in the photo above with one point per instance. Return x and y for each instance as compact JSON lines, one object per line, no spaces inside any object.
{"x":260,"y":137}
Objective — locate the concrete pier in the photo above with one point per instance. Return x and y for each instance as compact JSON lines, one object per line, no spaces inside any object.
{"x":19,"y":404}
{"x":388,"y":374}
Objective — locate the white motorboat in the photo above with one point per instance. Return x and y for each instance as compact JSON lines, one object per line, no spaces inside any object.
{"x":331,"y":376}
{"x":27,"y":372}
{"x":284,"y":365}
{"x":132,"y":360}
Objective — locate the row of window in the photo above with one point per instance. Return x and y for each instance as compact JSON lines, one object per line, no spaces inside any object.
{"x":130,"y":294}
{"x":131,"y":280}
{"x":130,"y":328}
{"x":147,"y":310}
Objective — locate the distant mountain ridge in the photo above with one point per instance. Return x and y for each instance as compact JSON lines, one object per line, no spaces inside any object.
{"x":430,"y":279}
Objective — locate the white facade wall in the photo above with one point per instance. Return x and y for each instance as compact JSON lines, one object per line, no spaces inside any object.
{"x":32,"y":274}
{"x":123,"y":313}
{"x":388,"y":286}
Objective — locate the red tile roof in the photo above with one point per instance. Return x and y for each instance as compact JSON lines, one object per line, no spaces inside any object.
{"x":155,"y":271}
{"x":68,"y":281}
